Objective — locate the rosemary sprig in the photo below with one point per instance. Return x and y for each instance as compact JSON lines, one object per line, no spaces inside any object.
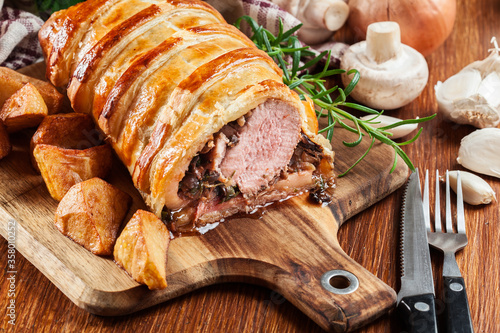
{"x":295,"y":60}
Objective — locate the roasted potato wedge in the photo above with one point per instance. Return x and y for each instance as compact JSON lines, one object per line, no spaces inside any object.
{"x":11,"y":81}
{"x":5,"y":146}
{"x":141,"y":249}
{"x":91,"y":214}
{"x":62,"y":168}
{"x":69,"y":130}
{"x":68,"y":149}
{"x":24,"y":109}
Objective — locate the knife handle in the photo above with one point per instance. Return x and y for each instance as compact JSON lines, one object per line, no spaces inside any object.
{"x":419,"y":313}
{"x":457,"y":311}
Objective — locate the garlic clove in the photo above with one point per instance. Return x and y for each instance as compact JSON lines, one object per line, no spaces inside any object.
{"x":475,"y":111}
{"x":489,"y":88}
{"x":459,"y":86}
{"x":479,"y":151}
{"x":471,"y":96}
{"x":384,"y":120}
{"x":475,"y":190}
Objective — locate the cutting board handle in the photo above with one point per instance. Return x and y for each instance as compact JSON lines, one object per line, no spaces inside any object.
{"x":295,"y":252}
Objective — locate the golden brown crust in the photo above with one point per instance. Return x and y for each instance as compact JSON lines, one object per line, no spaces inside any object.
{"x":142,"y":248}
{"x":66,"y":130}
{"x":91,"y":214}
{"x":58,"y":39}
{"x":12,"y":81}
{"x":62,"y":168}
{"x":24,"y":109}
{"x":200,"y":79}
{"x":161,"y":80}
{"x":68,"y":149}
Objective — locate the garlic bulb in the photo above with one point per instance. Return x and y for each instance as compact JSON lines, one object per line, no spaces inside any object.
{"x":384,"y":120}
{"x":471,"y":96}
{"x":480,"y":151}
{"x":475,"y":190}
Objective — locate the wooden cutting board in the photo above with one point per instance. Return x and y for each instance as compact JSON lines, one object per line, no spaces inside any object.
{"x":290,"y":248}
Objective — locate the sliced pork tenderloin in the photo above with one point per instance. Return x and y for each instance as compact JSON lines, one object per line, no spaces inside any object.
{"x":265,"y":145}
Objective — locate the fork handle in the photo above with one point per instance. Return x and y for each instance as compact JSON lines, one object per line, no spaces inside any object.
{"x":457,"y":311}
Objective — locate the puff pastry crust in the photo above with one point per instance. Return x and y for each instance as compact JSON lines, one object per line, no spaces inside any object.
{"x":164,"y":80}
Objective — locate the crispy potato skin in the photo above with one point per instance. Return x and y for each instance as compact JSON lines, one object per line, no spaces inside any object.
{"x":91,"y":214}
{"x":142,"y":249}
{"x":24,"y":109}
{"x":11,"y":81}
{"x":66,"y":149}
{"x":70,"y":131}
{"x":5,"y":146}
{"x":62,"y":168}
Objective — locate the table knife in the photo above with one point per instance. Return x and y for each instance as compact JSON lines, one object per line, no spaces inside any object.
{"x":415,"y":300}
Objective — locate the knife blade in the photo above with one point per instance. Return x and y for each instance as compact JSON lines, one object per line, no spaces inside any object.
{"x":415,"y":299}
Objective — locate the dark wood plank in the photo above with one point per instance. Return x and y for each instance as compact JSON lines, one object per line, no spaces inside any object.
{"x":370,"y":237}
{"x":288,"y":249}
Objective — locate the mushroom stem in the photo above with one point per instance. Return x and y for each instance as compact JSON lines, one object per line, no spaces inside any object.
{"x":383,"y":41}
{"x":329,"y":14}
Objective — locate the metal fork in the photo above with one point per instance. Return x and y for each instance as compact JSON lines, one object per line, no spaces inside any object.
{"x":457,"y":311}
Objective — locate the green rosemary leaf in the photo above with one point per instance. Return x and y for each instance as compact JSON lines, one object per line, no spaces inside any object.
{"x":284,"y":68}
{"x":408,"y":121}
{"x":296,"y":84}
{"x":361,"y":108}
{"x":405,"y":158}
{"x":353,"y":82}
{"x":412,"y":139}
{"x":360,"y":137}
{"x":395,"y":162}
{"x":347,"y":127}
{"x":314,"y":85}
{"x":290,"y":32}
{"x":266,"y":42}
{"x":324,"y":93}
{"x":327,"y":128}
{"x":332,"y":72}
{"x":279,"y":38}
{"x":253,"y":24}
{"x":295,"y":56}
{"x":331,"y":121}
{"x":314,"y":61}
{"x":359,"y":159}
{"x":342,"y":95}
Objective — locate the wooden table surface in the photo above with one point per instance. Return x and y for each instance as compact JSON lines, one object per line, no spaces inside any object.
{"x":371,"y":238}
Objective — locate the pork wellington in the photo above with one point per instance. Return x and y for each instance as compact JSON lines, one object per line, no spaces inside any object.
{"x":199,"y":116}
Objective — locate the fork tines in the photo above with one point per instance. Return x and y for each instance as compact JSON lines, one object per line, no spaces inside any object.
{"x":437,"y":211}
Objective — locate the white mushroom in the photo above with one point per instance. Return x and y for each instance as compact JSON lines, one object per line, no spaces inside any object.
{"x":320,"y":17}
{"x":383,"y":120}
{"x":392,"y":74}
{"x":471,"y":96}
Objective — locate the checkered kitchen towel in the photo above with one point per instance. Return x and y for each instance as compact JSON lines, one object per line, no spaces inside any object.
{"x":20,"y":21}
{"x":19,"y":44}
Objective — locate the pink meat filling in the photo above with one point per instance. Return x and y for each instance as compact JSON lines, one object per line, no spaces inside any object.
{"x":265,"y":146}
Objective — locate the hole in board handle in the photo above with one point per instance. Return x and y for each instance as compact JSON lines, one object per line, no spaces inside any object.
{"x":339,"y":282}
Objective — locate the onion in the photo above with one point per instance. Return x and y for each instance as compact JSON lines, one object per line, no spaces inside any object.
{"x":425,"y":24}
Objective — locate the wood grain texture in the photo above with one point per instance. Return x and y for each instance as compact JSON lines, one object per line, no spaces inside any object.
{"x":371,"y":237}
{"x":288,"y":249}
